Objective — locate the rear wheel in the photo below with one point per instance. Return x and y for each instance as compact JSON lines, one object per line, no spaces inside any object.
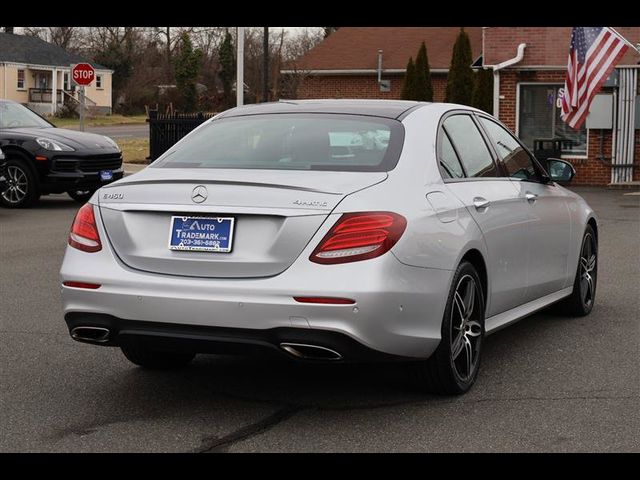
{"x":81,"y":196}
{"x":453,"y":368}
{"x":21,"y":188}
{"x":155,"y":359}
{"x":580,"y":302}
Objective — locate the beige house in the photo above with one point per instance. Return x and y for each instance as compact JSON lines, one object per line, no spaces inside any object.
{"x":32,"y":69}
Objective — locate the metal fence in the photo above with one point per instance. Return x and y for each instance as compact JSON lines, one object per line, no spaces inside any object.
{"x":166,"y":129}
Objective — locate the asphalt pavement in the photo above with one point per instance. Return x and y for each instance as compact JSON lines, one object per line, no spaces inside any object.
{"x":548,"y":383}
{"x":120,"y":131}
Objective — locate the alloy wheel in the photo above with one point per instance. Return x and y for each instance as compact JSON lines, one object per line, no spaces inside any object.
{"x":466,"y":329}
{"x":588,"y":270}
{"x":18,"y":185}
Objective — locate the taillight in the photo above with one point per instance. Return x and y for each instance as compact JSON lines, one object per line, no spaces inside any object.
{"x":359,"y":236}
{"x":84,"y":231}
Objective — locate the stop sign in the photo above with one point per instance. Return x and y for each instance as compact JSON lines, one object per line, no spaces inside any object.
{"x":83,"y":74}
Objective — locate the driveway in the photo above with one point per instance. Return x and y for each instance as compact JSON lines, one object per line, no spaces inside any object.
{"x":548,"y":383}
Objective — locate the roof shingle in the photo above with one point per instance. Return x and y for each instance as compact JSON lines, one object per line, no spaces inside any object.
{"x":355,"y":48}
{"x":32,"y":50}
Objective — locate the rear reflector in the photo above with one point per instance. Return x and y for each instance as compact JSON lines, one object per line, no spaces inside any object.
{"x":90,"y":286}
{"x":84,"y":231}
{"x":325,"y":300}
{"x":359,"y":236}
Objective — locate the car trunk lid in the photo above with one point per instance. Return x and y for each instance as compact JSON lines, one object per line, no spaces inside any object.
{"x":276,"y":213}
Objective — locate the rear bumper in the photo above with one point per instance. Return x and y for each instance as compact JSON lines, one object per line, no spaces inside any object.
{"x":398,"y":308}
{"x":222,"y":340}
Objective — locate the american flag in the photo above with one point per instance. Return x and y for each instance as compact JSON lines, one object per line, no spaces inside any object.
{"x":593,"y":54}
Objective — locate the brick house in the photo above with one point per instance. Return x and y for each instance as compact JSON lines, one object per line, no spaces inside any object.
{"x":345,"y":65}
{"x":528,"y":93}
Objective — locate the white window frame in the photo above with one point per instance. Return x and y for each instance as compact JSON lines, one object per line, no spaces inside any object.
{"x":555,"y":84}
{"x":24,"y":79}
{"x":99,"y":82}
{"x":66,"y":77}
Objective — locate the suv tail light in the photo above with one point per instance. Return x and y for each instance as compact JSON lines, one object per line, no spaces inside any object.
{"x":84,"y":231}
{"x":359,"y":236}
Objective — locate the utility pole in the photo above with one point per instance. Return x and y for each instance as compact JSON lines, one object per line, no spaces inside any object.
{"x":265,"y":65}
{"x":240,"y":69}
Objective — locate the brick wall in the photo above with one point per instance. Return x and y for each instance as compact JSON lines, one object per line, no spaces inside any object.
{"x":589,"y":171}
{"x":545,"y":45}
{"x":362,"y":86}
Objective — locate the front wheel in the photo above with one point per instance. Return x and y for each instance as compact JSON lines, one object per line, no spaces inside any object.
{"x":81,"y":196}
{"x":453,"y":367}
{"x":580,"y":302}
{"x":155,"y":359}
{"x":21,"y":188}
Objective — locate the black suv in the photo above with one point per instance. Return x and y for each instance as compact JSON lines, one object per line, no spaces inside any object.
{"x":42,"y":159}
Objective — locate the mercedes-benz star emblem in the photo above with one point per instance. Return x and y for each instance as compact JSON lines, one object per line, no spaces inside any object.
{"x":199,"y":194}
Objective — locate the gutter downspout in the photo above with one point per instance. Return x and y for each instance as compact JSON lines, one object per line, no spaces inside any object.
{"x":496,"y":77}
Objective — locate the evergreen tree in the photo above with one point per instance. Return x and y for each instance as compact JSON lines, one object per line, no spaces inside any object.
{"x":408,"y":87}
{"x":460,"y":78}
{"x":483,"y":91}
{"x":187,"y":67}
{"x":423,"y":87}
{"x":227,"y":69}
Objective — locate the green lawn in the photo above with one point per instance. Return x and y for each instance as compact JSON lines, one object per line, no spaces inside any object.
{"x":99,"y":121}
{"x":134,"y":150}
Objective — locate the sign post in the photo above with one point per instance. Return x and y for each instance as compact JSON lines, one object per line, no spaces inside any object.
{"x":82,"y":74}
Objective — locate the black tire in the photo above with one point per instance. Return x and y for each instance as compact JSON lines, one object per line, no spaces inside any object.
{"x":154,"y":359}
{"x":81,"y":196}
{"x":580,"y":302}
{"x":22,"y":189}
{"x":441,"y":373}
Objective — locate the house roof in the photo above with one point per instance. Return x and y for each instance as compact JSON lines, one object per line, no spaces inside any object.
{"x":35,"y":51}
{"x":356,"y":48}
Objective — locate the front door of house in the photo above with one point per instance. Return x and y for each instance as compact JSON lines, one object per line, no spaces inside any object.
{"x":42,"y":80}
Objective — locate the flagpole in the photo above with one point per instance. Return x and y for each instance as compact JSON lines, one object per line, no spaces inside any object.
{"x":624,"y":39}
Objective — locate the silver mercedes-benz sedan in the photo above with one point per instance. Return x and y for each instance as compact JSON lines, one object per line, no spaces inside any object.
{"x":331,"y":230}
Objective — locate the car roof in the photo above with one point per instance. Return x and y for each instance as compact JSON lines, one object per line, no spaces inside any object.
{"x":378,"y":108}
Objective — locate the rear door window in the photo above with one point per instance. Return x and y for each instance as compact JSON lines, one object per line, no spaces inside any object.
{"x":470,"y":146}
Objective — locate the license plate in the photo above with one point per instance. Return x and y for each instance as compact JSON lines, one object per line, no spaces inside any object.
{"x":201,"y":234}
{"x":106,"y":175}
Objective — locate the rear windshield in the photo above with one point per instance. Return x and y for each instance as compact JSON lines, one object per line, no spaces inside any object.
{"x":316,"y":141}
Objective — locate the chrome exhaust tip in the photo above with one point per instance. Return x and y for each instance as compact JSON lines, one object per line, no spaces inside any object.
{"x":90,"y":334}
{"x":310,"y":352}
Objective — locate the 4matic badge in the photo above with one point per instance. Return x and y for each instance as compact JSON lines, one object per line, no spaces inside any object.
{"x":314,"y":203}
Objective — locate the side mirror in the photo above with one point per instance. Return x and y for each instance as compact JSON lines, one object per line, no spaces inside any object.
{"x":560,"y":171}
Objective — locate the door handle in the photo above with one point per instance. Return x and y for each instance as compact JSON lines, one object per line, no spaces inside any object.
{"x":531,"y":197}
{"x":481,"y":203}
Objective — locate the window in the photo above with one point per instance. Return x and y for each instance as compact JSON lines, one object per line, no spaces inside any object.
{"x":291,"y":142}
{"x":65,"y":81}
{"x":21,"y":76}
{"x":539,"y":117}
{"x":468,"y":142}
{"x":514,"y":157}
{"x":449,"y":162}
{"x":98,"y":81}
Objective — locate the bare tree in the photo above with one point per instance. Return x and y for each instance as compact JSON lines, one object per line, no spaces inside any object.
{"x":64,"y":37}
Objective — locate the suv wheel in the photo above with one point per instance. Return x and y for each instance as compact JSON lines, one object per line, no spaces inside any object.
{"x":22,"y":189}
